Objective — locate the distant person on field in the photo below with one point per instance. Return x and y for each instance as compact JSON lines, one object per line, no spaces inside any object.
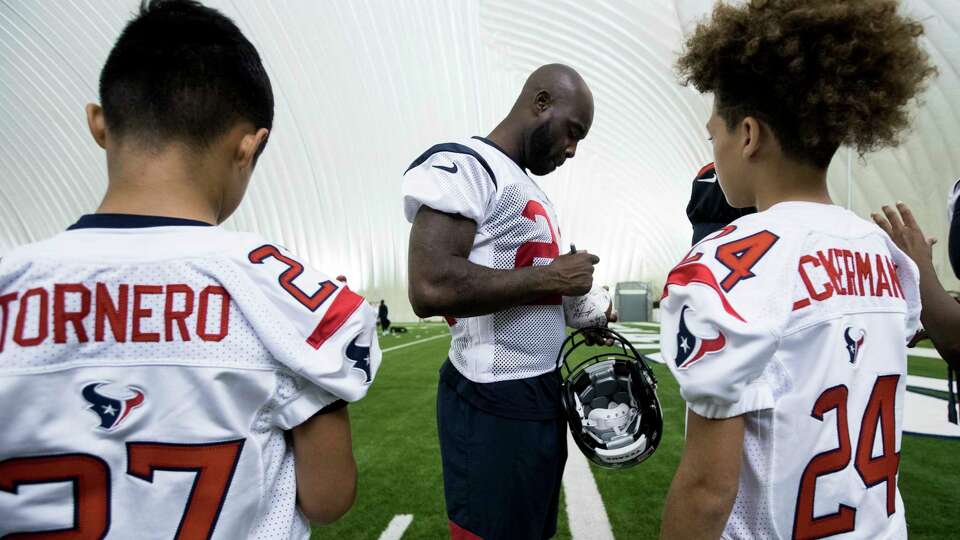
{"x":382,"y":315}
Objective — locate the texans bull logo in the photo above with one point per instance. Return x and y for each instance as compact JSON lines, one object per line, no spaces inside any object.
{"x":854,"y":344}
{"x":691,"y":348}
{"x":111,"y":410}
{"x":360,"y":356}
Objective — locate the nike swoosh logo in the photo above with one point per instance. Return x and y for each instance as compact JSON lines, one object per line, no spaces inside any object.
{"x":450,"y":170}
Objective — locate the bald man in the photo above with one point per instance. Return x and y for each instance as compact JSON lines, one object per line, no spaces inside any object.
{"x":485,"y":253}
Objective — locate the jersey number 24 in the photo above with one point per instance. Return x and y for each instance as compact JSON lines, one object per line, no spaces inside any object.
{"x":879,"y":413}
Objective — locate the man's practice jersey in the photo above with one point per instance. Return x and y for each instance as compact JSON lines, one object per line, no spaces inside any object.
{"x":797,"y":318}
{"x":148,"y":374}
{"x":516,"y":227}
{"x":953,"y":226}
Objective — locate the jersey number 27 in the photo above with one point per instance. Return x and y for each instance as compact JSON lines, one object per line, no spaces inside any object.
{"x":213,"y":464}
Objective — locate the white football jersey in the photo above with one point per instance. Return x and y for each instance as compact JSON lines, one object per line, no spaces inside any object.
{"x":516,"y":227}
{"x":797,"y":318}
{"x":952,"y":201}
{"x":148,"y":376}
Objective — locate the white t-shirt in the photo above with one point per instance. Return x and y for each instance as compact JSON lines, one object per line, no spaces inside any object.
{"x":148,"y":376}
{"x":516,"y":227}
{"x":797,"y":318}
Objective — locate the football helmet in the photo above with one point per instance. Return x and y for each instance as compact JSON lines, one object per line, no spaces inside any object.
{"x":610,"y":400}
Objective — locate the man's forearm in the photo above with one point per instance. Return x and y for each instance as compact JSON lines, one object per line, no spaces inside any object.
{"x":443,"y":281}
{"x":461,"y":288}
{"x":941,"y":315}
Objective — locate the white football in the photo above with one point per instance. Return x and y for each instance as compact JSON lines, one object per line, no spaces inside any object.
{"x":587,"y":310}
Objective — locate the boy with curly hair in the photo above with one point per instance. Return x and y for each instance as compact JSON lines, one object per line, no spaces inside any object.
{"x":786,"y":330}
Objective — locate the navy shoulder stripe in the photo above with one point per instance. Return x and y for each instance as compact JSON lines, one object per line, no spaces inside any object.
{"x":457,"y":149}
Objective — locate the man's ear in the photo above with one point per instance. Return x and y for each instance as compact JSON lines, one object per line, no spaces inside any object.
{"x":751,"y":133}
{"x":97,"y":124}
{"x":249,"y":146}
{"x":542,"y":101}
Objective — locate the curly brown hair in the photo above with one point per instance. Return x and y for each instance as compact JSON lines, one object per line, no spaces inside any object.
{"x":820,"y":73}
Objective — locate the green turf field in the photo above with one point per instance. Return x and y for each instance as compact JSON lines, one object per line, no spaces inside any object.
{"x":927,"y":367}
{"x":395,"y":442}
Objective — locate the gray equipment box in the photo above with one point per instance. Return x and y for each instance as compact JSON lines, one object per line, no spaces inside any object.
{"x":632,"y":301}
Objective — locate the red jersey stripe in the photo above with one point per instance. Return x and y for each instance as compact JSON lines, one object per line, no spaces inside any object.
{"x":343,"y":306}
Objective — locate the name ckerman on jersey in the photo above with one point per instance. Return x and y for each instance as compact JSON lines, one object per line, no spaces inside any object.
{"x":847,"y":273}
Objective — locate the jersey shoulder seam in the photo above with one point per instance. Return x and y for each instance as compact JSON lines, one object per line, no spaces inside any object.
{"x":455,"y":148}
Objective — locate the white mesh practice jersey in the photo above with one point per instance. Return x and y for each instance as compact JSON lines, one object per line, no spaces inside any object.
{"x":148,"y":374}
{"x":516,"y":227}
{"x":952,"y":200}
{"x":798,"y":319}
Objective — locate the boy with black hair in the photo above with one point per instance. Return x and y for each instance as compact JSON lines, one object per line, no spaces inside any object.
{"x":147,"y":340}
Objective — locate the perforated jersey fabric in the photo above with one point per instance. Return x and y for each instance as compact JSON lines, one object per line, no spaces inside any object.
{"x":797,"y":318}
{"x":516,"y":226}
{"x":953,"y":236}
{"x":170,"y":349}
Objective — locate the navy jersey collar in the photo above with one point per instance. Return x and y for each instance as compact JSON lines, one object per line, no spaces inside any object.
{"x":131,"y":221}
{"x":501,"y":150}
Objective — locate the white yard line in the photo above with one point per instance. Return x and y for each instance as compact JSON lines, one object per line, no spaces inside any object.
{"x":927,"y":415}
{"x":585,"y":511}
{"x":930,"y":383}
{"x":656,"y":357}
{"x":412,"y":343}
{"x":397,"y":526}
{"x":924,"y":353}
{"x":641,"y":339}
{"x":638,"y":325}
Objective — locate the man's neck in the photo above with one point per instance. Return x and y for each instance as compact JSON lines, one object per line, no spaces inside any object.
{"x":159,"y":185}
{"x":506,"y":136}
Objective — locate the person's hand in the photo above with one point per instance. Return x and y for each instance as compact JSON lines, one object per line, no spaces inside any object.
{"x":903,"y":229}
{"x":917,"y":338}
{"x":572,"y":273}
{"x":598,"y":336}
{"x":612,"y":315}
